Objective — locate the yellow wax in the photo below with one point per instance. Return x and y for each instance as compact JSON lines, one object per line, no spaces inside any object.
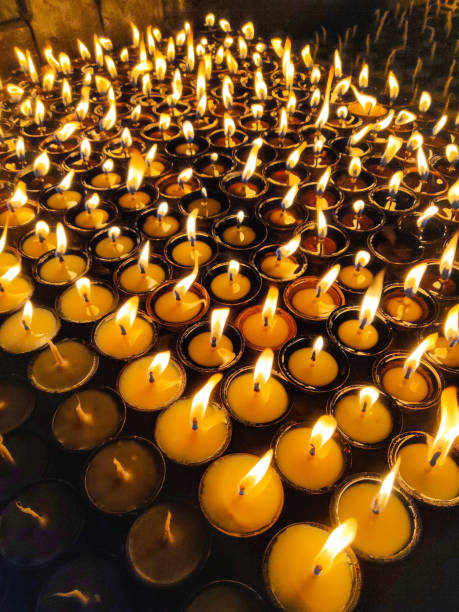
{"x":64,"y":200}
{"x":206,"y":207}
{"x":355,"y":279}
{"x":109,"y":249}
{"x":184,"y":254}
{"x":187,"y":148}
{"x":404,"y":309}
{"x":111,"y":341}
{"x":203,"y":353}
{"x":7,"y":261}
{"x":101,"y":419}
{"x":134,"y":201}
{"x":134,"y":281}
{"x":136,"y":389}
{"x":379,"y":535}
{"x":369,"y":427}
{"x":239,"y":236}
{"x":177,"y":191}
{"x":15,"y":294}
{"x":278,"y":216}
{"x":91,"y":219}
{"x":290,"y":572}
{"x":78,"y":363}
{"x":273,"y":335}
{"x":445,"y":354}
{"x":106,"y":180}
{"x":303,"y":469}
{"x":55,"y":271}
{"x":230,"y":290}
{"x":349,"y":333}
{"x":276,"y":268}
{"x":21,"y":216}
{"x":244,"y":514}
{"x":306,"y":302}
{"x":161,"y":229}
{"x":264,"y":406}
{"x":34,"y":248}
{"x":316,"y":373}
{"x":114,"y":494}
{"x":171,"y":310}
{"x":15,"y":339}
{"x":413,"y":389}
{"x":438,"y":482}
{"x":154,"y":168}
{"x":180,"y":442}
{"x":74,"y":308}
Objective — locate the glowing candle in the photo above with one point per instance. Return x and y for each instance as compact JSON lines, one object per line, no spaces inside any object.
{"x":64,"y":197}
{"x":239,"y":234}
{"x":212,"y":348}
{"x":107,"y":179}
{"x":446,"y":349}
{"x":316,"y":301}
{"x":84,"y":302}
{"x":63,"y":267}
{"x":160,"y":224}
{"x":40,"y":241}
{"x":14,"y":289}
{"x":135,"y":199}
{"x":187,"y":251}
{"x":143,"y":275}
{"x":358,"y":276}
{"x":180,"y":304}
{"x":281,"y":264}
{"x":28,"y":330}
{"x":406,"y":308}
{"x":116,"y":245}
{"x":313,"y":366}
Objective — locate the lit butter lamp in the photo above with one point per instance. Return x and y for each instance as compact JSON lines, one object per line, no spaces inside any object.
{"x":312,"y":459}
{"x":238,"y":234}
{"x":320,"y":195}
{"x":139,"y":276}
{"x":429,"y":469}
{"x":366,"y":417}
{"x":188,"y":146}
{"x":193,"y":431}
{"x":445,"y":353}
{"x":388,"y":523}
{"x":9,"y":256}
{"x":246,"y":185}
{"x":15,"y":289}
{"x":134,"y":198}
{"x":38,"y":242}
{"x":354,"y":181}
{"x":280,"y":263}
{"x":449,"y":206}
{"x":441,"y":278}
{"x":365,"y":107}
{"x":383,"y":167}
{"x":314,"y":298}
{"x":92,"y":216}
{"x":184,"y":249}
{"x":308,"y":568}
{"x":126,"y":333}
{"x":155,"y":165}
{"x":266,"y":326}
{"x":241,"y":494}
{"x":114,"y":244}
{"x":28,"y":330}
{"x":42,"y":176}
{"x":282,"y":214}
{"x":63,"y":366}
{"x":160,"y":223}
{"x":423,"y":180}
{"x":107,"y":179}
{"x":61,"y":266}
{"x":19,"y":212}
{"x":257,"y":396}
{"x":86,"y":301}
{"x":151,"y":382}
{"x":62,"y":196}
{"x":320,"y":241}
{"x":288,"y":173}
{"x":412,"y":381}
{"x":393,"y":199}
{"x":175,"y":186}
{"x":228,"y":139}
{"x":356,"y":277}
{"x":447,"y":164}
{"x":229,"y":284}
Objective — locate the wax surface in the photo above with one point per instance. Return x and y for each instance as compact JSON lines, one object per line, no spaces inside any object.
{"x":351,"y":335}
{"x":134,"y":201}
{"x":132,"y":279}
{"x":444,"y":353}
{"x":102,"y":418}
{"x":178,"y":441}
{"x":355,"y":279}
{"x":15,"y":339}
{"x":64,"y":200}
{"x":303,"y":469}
{"x":111,"y":341}
{"x":260,"y":335}
{"x":201,"y":352}
{"x":110,"y":492}
{"x":35,"y":248}
{"x":93,"y":219}
{"x":55,"y":271}
{"x":169,"y":309}
{"x":278,"y":216}
{"x":106,"y":180}
{"x":438,"y":482}
{"x":21,"y":216}
{"x":317,"y":373}
{"x":234,"y":513}
{"x":404,"y":309}
{"x":206,"y":207}
{"x":184,"y":254}
{"x":48,"y":373}
{"x":112,"y":249}
{"x":263,"y":406}
{"x":16,"y":293}
{"x":7,"y":261}
{"x":239,"y":236}
{"x":168,"y":226}
{"x":137,"y":390}
{"x":306,"y":302}
{"x":230,"y":290}
{"x":369,"y":427}
{"x":379,"y":535}
{"x":414,"y":389}
{"x":154,"y":168}
{"x":275,"y":268}
{"x":74,"y":307}
{"x":290,"y":572}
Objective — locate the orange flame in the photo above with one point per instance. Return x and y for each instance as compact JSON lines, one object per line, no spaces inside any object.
{"x":367,"y":397}
{"x":355,"y":167}
{"x":289,"y":248}
{"x":337,"y":541}
{"x":412,"y":361}
{"x":136,"y":172}
{"x":251,"y":162}
{"x":83,"y":286}
{"x":448,"y":429}
{"x":201,"y":400}
{"x":19,"y":197}
{"x":126,"y":315}
{"x":217,"y":325}
{"x":404,"y":117}
{"x":367,"y":103}
{"x":256,"y":474}
{"x":306,"y":57}
{"x":393,"y":145}
{"x":321,"y":433}
{"x":371,"y":300}
{"x":109,"y":119}
{"x":439,"y":125}
{"x":364,"y":76}
{"x":447,"y":258}
{"x":425,"y":101}
{"x":394,"y":183}
{"x":183,"y":286}
{"x":393,"y":86}
{"x":381,"y":498}
{"x":27,"y":315}
{"x":41,"y":164}
{"x":289,"y":197}
{"x":327,"y":280}
{"x":61,"y":240}
{"x":262,"y":370}
{"x":66,"y":131}
{"x":268,"y":311}
{"x":158,"y":364}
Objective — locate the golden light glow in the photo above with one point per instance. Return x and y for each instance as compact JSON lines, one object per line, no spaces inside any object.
{"x":126,"y":138}
{"x":20,"y":148}
{"x":27,"y":315}
{"x":289,"y":248}
{"x":452,"y":153}
{"x":448,"y":429}
{"x":217,"y":324}
{"x":163,"y":207}
{"x":251,"y":163}
{"x":439,"y":125}
{"x":3,"y":238}
{"x":202,"y":106}
{"x":256,"y":474}
{"x":451,"y":325}
{"x":306,"y":57}
{"x":447,"y":258}
{"x":164,"y":121}
{"x":185,"y":176}
{"x":66,"y":131}
{"x":229,"y":126}
{"x":425,"y":101}
{"x":41,"y":164}
{"x":453,"y":194}
{"x":342,"y":112}
{"x":367,"y":103}
{"x":323,"y":430}
{"x":355,"y":167}
{"x":19,"y":197}
{"x":135,"y":34}
{"x":315,"y":76}
{"x":109,"y":119}
{"x":83,"y":286}
{"x":231,"y":63}
{"x":242,"y":49}
{"x":66,"y":182}
{"x":209,"y":20}
{"x":283,"y":123}
{"x":356,"y":137}
{"x":257,"y":111}
{"x":136,"y":172}
{"x":39,"y":115}
{"x":26,"y":108}
{"x":321,"y":225}
{"x":394,"y":183}
{"x":41,"y":230}
{"x":15,"y":92}
{"x":126,"y":315}
{"x":339,"y":539}
{"x":268,"y":311}
{"x":358,"y":206}
{"x":191,"y":226}
{"x":31,"y":68}
{"x":81,"y":109}
{"x":107,"y":166}
{"x":61,"y":240}
{"x":114,"y":233}
{"x":278,"y":47}
{"x":415,"y":141}
{"x":48,"y":79}
{"x":429,"y":212}
{"x":188,"y":131}
{"x":361,"y":259}
{"x":364,"y":76}
{"x":413,"y":279}
{"x":262,"y":370}
{"x":227,"y":96}
{"x":49,"y":56}
{"x":85,"y":149}
{"x":224,"y":25}
{"x":92,"y":202}
{"x":201,"y":400}
{"x":135,"y":113}
{"x":317,"y":347}
{"x":158,"y":364}
{"x":9,"y":276}
{"x":367,"y":397}
{"x":404,"y":117}
{"x":183,"y":286}
{"x":327,"y":280}
{"x":370,"y":300}
{"x":393,"y":145}
{"x":170,"y":50}
{"x":413,"y":360}
{"x":314,"y":101}
{"x":318,"y":145}
{"x":261,"y":89}
{"x":289,"y":197}
{"x":144,"y":257}
{"x":393,"y":86}
{"x":240,"y":216}
{"x":22,"y":59}
{"x":83,"y":50}
{"x":323,"y":181}
{"x":248,"y":30}
{"x":233,"y":269}
{"x":340,"y":89}
{"x":381,"y":498}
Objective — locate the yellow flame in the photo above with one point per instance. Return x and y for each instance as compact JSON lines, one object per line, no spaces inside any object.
{"x":439,"y":125}
{"x":114,"y":233}
{"x":317,"y":347}
{"x":321,"y":225}
{"x":393,"y":86}
{"x":451,"y":325}
{"x":158,"y":364}
{"x":323,"y":430}
{"x":126,"y":315}
{"x":233,"y":269}
{"x":262,"y":370}
{"x":283,"y":122}
{"x":188,"y":131}
{"x":361,"y":259}
{"x":224,"y":25}
{"x":231,"y":63}
{"x":447,"y":258}
{"x":19,"y":197}
{"x":66,"y":93}
{"x":451,"y":153}
{"x":126,"y":138}
{"x":358,"y":206}
{"x":3,"y":238}
{"x":429,"y":212}
{"x":144,"y":256}
{"x":185,"y":176}
{"x":21,"y":57}
{"x":82,"y":109}
{"x":355,"y":167}
{"x":364,"y":76}
{"x":209,"y":20}
{"x":201,"y":81}
{"x":315,"y":98}
{"x":39,"y":112}
{"x":242,"y":48}
{"x":170,"y":50}
{"x":415,"y":141}
{"x":27,"y":315}
{"x":381,"y":498}
{"x":251,"y":163}
{"x":268,"y":311}
{"x":15,"y":92}
{"x":49,"y":56}
{"x":202,"y":106}
{"x":448,"y":429}
{"x":41,"y":164}
{"x":83,"y":286}
{"x":66,"y":131}
{"x":261,"y":89}
{"x":342,"y":112}
{"x":41,"y":230}
{"x":183,"y":286}
{"x":453,"y":193}
{"x":370,"y":300}
{"x":394,"y":183}
{"x":9,"y":276}
{"x":421,"y":160}
{"x":314,"y":77}
{"x":339,"y":539}
{"x":92,"y":202}
{"x":425,"y":101}
{"x":290,"y":247}
{"x":257,"y":110}
{"x":327,"y":280}
{"x":256,"y":474}
{"x":229,"y":126}
{"x":356,"y":137}
{"x":31,"y":68}
{"x":306,"y":57}
{"x":61,"y":240}
{"x":164,"y":121}
{"x":180,"y":38}
{"x":248,"y":30}
{"x":48,"y":79}
{"x":217,"y":324}
{"x":83,"y":50}
{"x":227,"y":95}
{"x":289,"y":197}
{"x":109,"y":119}
{"x":201,"y":400}
{"x":413,"y":360}
{"x":392,"y":146}
{"x":404,"y":117}
{"x":66,"y":182}
{"x":136,"y":172}
{"x":341,"y":88}
{"x":191,"y":225}
{"x":413,"y":279}
{"x":323,"y":181}
{"x":367,"y":103}
{"x":367,"y":397}
{"x":26,"y":109}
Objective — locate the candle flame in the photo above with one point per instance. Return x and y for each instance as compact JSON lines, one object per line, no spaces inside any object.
{"x":201,"y":400}
{"x":327,"y":280}
{"x":451,"y":325}
{"x":361,"y":259}
{"x":413,"y":279}
{"x":261,"y":89}
{"x":164,"y":121}
{"x":19,"y":197}
{"x":183,"y":286}
{"x":83,"y":286}
{"x":340,"y":89}
{"x":41,"y":230}
{"x":66,"y":182}
{"x":367,"y":103}
{"x":371,"y":300}
{"x":20,"y":148}
{"x":393,"y":145}
{"x":315,"y":98}
{"x":321,"y":225}
{"x":83,"y":50}
{"x":66,"y":131}
{"x":27,"y":315}
{"x":170,"y":50}
{"x":356,"y":137}
{"x":283,"y":123}
{"x":114,"y":233}
{"x":415,"y":141}
{"x":26,"y":109}
{"x":248,"y":30}
{"x":158,"y":364}
{"x":289,"y":197}
{"x":448,"y":429}
{"x":440,"y":124}
{"x":291,"y":103}
{"x":41,"y":164}
{"x":314,"y":77}
{"x":228,"y":126}
{"x":323,"y":430}
{"x":188,"y":131}
{"x":231,"y":63}
{"x":447,"y":258}
{"x":109,"y":119}
{"x":453,"y":195}
{"x":136,"y":172}
{"x":429,"y":212}
{"x":306,"y":57}
{"x":413,"y":360}
{"x":163,"y":207}
{"x":289,"y":248}
{"x":364,"y":76}
{"x":294,"y":157}
{"x":126,"y":315}
{"x":452,"y":153}
{"x":262,"y":370}
{"x":240,"y":216}
{"x":85,"y":149}
{"x":144,"y":256}
{"x":81,"y":110}
{"x":209,"y":20}
{"x":233,"y":269}
{"x":393,"y":86}
{"x":92,"y":202}
{"x":404,"y":117}
{"x":355,"y":167}
{"x":61,"y":240}
{"x":185,"y":176}
{"x":394,"y":183}
{"x":342,"y":112}
{"x":48,"y":79}
{"x":278,"y":47}
{"x":135,"y":34}
{"x":9,"y":276}
{"x":381,"y":498}
{"x":126,"y":138}
{"x":15,"y":92}
{"x":256,"y":474}
{"x":425,"y":101}
{"x":251,"y":162}
{"x":224,"y":25}
{"x":217,"y":324}
{"x":367,"y":397}
{"x":323,"y":181}
{"x":339,"y":539}
{"x":268,"y":311}
{"x":66,"y":93}
{"x":22,"y":59}
{"x":111,"y":67}
{"x":39,"y":115}
{"x":257,"y":111}
{"x":358,"y":206}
